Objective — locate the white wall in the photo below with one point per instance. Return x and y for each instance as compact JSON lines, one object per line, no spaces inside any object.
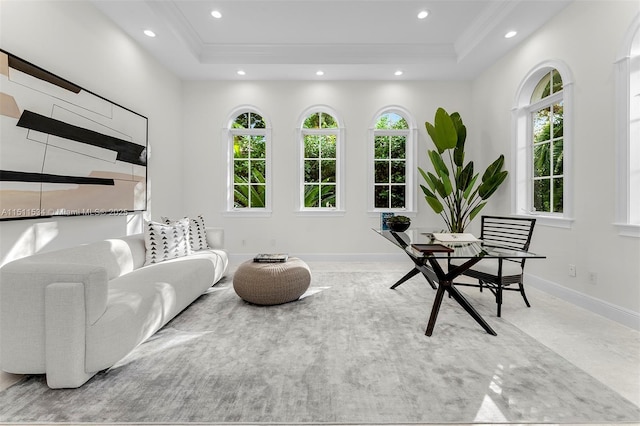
{"x":75,"y":41}
{"x":207,"y":106}
{"x":587,"y":36}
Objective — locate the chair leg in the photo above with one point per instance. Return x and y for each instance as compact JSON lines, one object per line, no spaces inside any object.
{"x":524,"y":296}
{"x":481,"y":284}
{"x":499,"y":299}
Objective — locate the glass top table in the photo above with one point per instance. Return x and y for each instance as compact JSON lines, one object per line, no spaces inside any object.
{"x":428,"y":255}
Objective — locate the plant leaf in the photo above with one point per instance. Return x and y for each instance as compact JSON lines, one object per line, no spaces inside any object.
{"x":461,"y":131}
{"x":442,"y":131}
{"x":446,"y":182}
{"x":493,"y":168}
{"x":470,"y":187}
{"x":427,"y":192}
{"x":438,"y":163}
{"x":464,"y":177}
{"x":427,"y":179}
{"x":488,"y":187}
{"x":476,"y":210}
{"x":438,"y":185}
{"x":435,"y":204}
{"x":458,"y":156}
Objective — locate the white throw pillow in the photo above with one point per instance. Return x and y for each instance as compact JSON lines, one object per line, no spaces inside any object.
{"x":197,"y":232}
{"x":166,"y":241}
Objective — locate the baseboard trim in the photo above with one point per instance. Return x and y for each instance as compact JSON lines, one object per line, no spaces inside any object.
{"x":608,"y":310}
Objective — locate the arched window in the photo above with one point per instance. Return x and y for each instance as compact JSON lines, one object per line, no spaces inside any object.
{"x":391,"y":165}
{"x":546,"y":144}
{"x":248,"y":138}
{"x":543,"y":179}
{"x":628,"y":131}
{"x":321,"y":176}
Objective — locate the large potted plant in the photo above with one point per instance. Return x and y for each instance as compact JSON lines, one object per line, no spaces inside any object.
{"x":453,"y":190}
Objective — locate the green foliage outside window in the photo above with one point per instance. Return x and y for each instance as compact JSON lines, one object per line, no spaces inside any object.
{"x":548,"y":147}
{"x":249,"y":171}
{"x":320,"y":161}
{"x":390,"y":163}
{"x":392,"y":121}
{"x":320,"y":120}
{"x":320,"y":170}
{"x":248,"y":120}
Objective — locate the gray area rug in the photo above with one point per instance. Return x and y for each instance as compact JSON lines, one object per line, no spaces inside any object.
{"x":350,"y":351}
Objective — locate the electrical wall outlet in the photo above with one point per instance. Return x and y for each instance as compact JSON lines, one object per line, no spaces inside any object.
{"x":593,"y":278}
{"x":572,"y":270}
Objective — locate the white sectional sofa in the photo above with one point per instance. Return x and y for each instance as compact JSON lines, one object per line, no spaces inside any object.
{"x":74,"y":312}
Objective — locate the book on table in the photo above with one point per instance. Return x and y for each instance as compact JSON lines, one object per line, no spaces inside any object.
{"x":271,"y":257}
{"x":384,"y":226}
{"x":448,"y":237}
{"x":431,"y":248}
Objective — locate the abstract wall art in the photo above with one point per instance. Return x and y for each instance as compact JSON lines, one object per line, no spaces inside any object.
{"x":64,"y":150}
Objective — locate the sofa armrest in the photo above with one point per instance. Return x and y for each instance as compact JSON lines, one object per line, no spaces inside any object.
{"x":65,"y":335}
{"x":23,"y":284}
{"x":215,"y":238}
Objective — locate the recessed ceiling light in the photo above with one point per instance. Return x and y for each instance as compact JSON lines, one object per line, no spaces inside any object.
{"x":241,"y":72}
{"x":149,"y":33}
{"x":319,"y":72}
{"x":423,"y":14}
{"x":216,"y":14}
{"x":510,"y":34}
{"x":399,"y":72}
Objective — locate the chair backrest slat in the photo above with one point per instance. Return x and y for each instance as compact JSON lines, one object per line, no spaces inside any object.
{"x":511,"y":232}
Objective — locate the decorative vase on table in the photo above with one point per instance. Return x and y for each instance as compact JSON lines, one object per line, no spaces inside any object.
{"x":398,"y":223}
{"x":451,"y":191}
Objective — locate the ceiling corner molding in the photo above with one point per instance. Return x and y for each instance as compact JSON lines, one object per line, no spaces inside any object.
{"x":488,"y":20}
{"x":354,"y":53}
{"x":179,"y":25}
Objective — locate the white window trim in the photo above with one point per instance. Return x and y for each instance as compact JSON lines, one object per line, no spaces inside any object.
{"x":624,"y":198}
{"x":340,"y":208}
{"x":521,"y":177}
{"x":227,"y":136}
{"x":411,"y":166}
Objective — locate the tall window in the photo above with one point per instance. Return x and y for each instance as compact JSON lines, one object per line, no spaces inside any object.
{"x":391,"y":174}
{"x":321,"y":161}
{"x":547,"y":144}
{"x":541,"y":167}
{"x":628,"y":131}
{"x":248,"y":162}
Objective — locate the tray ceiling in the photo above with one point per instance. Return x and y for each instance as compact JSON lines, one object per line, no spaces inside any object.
{"x":346,"y":39}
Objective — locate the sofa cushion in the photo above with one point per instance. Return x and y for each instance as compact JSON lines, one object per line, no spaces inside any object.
{"x":197,"y":232}
{"x":141,"y":302}
{"x":166,"y":241}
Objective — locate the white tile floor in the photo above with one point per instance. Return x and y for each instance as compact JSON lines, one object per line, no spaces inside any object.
{"x":606,"y":350}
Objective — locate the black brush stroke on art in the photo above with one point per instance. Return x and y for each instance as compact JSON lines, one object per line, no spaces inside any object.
{"x":13,"y":176}
{"x":127,"y":151}
{"x":39,"y":73}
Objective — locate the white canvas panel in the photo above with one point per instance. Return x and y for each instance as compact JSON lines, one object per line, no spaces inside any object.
{"x":64,"y":162}
{"x":43,"y":90}
{"x":18,"y":152}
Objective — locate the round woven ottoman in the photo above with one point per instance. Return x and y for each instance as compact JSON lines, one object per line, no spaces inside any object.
{"x":272,"y":283}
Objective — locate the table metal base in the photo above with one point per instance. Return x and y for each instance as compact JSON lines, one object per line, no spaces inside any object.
{"x":445,"y":283}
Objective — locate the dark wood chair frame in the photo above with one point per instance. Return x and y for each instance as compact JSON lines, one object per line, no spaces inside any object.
{"x":511,"y":233}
